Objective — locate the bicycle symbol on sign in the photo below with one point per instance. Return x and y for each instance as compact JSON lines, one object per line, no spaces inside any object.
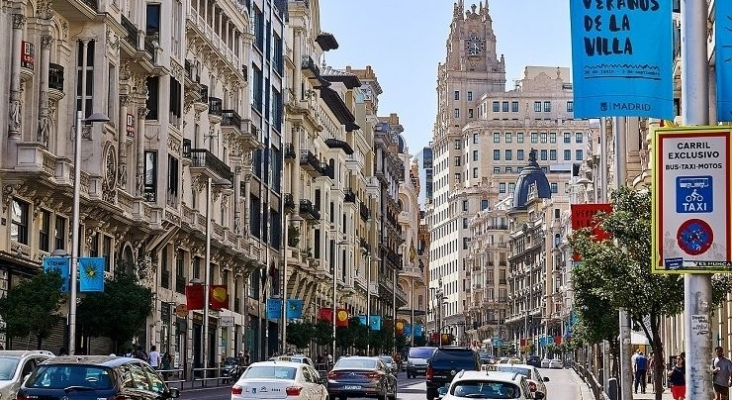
{"x":694,"y":197}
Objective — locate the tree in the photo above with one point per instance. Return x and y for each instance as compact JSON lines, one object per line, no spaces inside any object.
{"x":300,"y":334}
{"x":624,"y":278}
{"x":420,"y":340}
{"x":359,"y":333}
{"x":119,"y":312}
{"x":28,"y":307}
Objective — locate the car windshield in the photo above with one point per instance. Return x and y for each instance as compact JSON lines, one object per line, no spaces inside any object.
{"x":269,"y":372}
{"x":485,"y":390}
{"x":7,"y":368}
{"x":231,"y":361}
{"x":362,"y":363}
{"x":386,"y":360}
{"x":484,"y":354}
{"x":421,"y":352}
{"x":62,"y":376}
{"x":523,"y":371}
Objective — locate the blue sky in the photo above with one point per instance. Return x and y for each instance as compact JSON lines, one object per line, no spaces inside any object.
{"x":403,"y":40}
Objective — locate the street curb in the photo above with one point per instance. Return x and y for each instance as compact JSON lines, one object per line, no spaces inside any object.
{"x":582,"y":386}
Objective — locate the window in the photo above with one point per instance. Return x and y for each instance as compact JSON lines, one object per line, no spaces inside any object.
{"x":508,"y":137}
{"x":475,"y":138}
{"x":547,"y":106}
{"x":534,"y":137}
{"x":465,"y":205}
{"x":107,"y":252}
{"x":543,"y":137}
{"x":475,"y":155}
{"x":277,"y":56}
{"x":552,"y":137}
{"x":502,"y":187}
{"x":457,"y":161}
{"x":567,"y":137}
{"x":153,"y":88}
{"x":456,"y":113}
{"x":567,"y":155}
{"x":543,"y":155}
{"x":85,"y":66}
{"x":520,"y":154}
{"x":457,"y":145}
{"x":504,"y":106}
{"x":173,"y":176}
{"x":457,"y":95}
{"x":19,"y":217}
{"x":470,"y":96}
{"x":555,"y":187}
{"x":496,"y":137}
{"x":475,"y":173}
{"x":509,"y":155}
{"x":519,"y":137}
{"x":537,"y":106}
{"x":484,"y":204}
{"x":496,"y":170}
{"x":570,"y":106}
{"x":59,"y":233}
{"x":470,"y":113}
{"x":552,"y":155}
{"x":496,"y":155}
{"x":258,"y":25}
{"x":176,"y":104}
{"x":578,"y":137}
{"x":496,"y":106}
{"x":578,"y":155}
{"x":44,"y":233}
{"x":514,"y":106}
{"x":151,"y":175}
{"x":458,"y":177}
{"x":509,"y":170}
{"x":511,"y":187}
{"x":152,"y":27}
{"x":277,"y":110}
{"x":112,"y":95}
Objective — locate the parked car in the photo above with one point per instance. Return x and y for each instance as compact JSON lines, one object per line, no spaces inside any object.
{"x":390,"y":364}
{"x":281,"y":380}
{"x":470,"y":385}
{"x":15,"y":366}
{"x":534,"y":361}
{"x":545,"y":363}
{"x":361,"y":377}
{"x":445,"y":363}
{"x":532,"y":374}
{"x":556,"y":363}
{"x":95,"y":377}
{"x":417,"y":360}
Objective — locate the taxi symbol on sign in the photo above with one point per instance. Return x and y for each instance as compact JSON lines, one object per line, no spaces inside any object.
{"x":694,"y":195}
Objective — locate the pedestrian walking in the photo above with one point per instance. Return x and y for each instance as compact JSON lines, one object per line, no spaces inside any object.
{"x":640,"y":366}
{"x":154,"y":358}
{"x":677,"y":380}
{"x":721,"y":374}
{"x":140,"y":354}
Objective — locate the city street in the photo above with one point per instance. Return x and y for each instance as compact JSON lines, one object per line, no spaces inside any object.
{"x":563,"y":384}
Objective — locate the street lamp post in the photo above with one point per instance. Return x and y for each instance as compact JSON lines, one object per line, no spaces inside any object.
{"x":297,"y":219}
{"x":73,"y":266}
{"x":335,"y":288}
{"x":368,"y":301}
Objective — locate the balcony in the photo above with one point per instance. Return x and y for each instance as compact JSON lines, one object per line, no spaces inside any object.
{"x":206,"y":163}
{"x":215,"y":107}
{"x":76,"y":10}
{"x":132,"y":32}
{"x":230,"y":121}
{"x":364,"y":211}
{"x":210,"y":38}
{"x":310,"y":163}
{"x":364,"y":244}
{"x":203,"y":98}
{"x":327,"y":170}
{"x":339,"y":144}
{"x":290,"y":151}
{"x":308,"y":211}
{"x":309,"y":67}
{"x":349,"y":196}
{"x":289,"y":202}
{"x":56,"y":77}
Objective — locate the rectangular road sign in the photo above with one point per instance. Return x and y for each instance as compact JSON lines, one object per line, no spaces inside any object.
{"x":691,"y":200}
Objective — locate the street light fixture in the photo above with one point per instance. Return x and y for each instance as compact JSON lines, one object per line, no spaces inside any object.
{"x":288,"y":219}
{"x":73,"y":265}
{"x":207,"y":268}
{"x":335,"y":288}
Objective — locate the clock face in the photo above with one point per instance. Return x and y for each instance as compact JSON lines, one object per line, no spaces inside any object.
{"x":474,"y":45}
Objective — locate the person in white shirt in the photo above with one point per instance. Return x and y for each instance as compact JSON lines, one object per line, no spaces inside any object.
{"x":154,"y":358}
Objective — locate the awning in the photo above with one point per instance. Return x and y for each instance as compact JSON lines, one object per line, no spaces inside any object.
{"x":638,"y":339}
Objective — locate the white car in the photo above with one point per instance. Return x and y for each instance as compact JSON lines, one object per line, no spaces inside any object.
{"x":556,"y":363}
{"x":534,"y":378}
{"x":545,"y":363}
{"x":471,"y":385}
{"x":280,"y":380}
{"x":15,"y":366}
{"x":296,"y":359}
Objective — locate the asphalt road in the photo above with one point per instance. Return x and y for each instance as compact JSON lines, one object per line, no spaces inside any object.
{"x":563,"y":385}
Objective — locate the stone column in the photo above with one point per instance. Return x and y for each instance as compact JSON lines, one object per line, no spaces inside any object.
{"x":141,"y":114}
{"x":124,"y":102}
{"x":43,"y":120}
{"x":295,"y":177}
{"x":297,"y":55}
{"x":15,"y":116}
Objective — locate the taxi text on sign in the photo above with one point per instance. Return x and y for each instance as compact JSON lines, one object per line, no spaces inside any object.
{"x":691,"y":215}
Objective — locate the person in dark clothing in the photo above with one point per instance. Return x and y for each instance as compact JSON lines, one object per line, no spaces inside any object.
{"x":677,"y":380}
{"x":640,"y":365}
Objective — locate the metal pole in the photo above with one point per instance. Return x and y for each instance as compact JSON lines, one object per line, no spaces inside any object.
{"x":368,"y":303}
{"x":603,"y":162}
{"x":284,"y":287}
{"x":626,"y":370}
{"x":411,"y":302}
{"x":335,"y":309}
{"x":695,"y":111}
{"x":75,"y":232}
{"x":393,"y":306}
{"x":207,"y":279}
{"x":268,"y":169}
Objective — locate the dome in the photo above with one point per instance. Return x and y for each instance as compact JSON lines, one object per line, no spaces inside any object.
{"x":530,"y":176}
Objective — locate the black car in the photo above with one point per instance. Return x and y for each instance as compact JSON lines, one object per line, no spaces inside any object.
{"x":534,"y":361}
{"x":445,"y":363}
{"x":361,"y":377}
{"x":95,"y":377}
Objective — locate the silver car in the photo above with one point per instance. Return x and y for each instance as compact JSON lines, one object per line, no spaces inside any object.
{"x":15,"y":366}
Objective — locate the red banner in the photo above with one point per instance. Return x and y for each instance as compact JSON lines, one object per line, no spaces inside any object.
{"x":325,"y":314}
{"x":342,"y":317}
{"x":557,"y":340}
{"x":194,"y":297}
{"x":218,"y":297}
{"x":583,"y":216}
{"x":434,"y":337}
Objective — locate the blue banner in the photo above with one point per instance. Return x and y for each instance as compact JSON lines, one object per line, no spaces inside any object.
{"x":91,"y":274}
{"x":294,"y":309}
{"x":723,"y":58}
{"x":407,"y":330}
{"x":622,"y":59}
{"x":497,"y":342}
{"x":418,"y":330}
{"x":61,"y":265}
{"x":274,"y":308}
{"x":362,"y":319}
{"x":375,"y":322}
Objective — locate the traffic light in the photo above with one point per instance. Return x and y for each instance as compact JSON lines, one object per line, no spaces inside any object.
{"x":531,"y":318}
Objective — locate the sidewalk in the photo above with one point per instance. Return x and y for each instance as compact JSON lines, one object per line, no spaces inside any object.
{"x":585,"y":392}
{"x":651,"y":396}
